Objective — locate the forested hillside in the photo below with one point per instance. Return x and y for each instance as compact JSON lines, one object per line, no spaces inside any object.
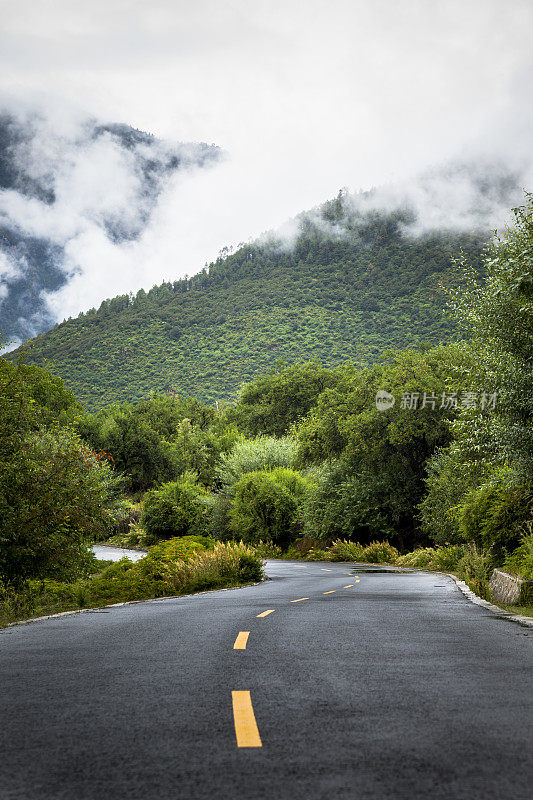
{"x":345,"y":288}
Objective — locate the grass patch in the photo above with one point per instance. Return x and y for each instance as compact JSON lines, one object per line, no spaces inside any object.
{"x":178,"y":566}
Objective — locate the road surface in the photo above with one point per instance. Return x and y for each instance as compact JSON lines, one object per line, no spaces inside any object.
{"x":116,"y":553}
{"x":371,"y":685}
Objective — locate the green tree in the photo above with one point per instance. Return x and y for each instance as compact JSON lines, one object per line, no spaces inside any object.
{"x":379,"y":457}
{"x":266,"y":505}
{"x":177,"y":508}
{"x":55,"y":498}
{"x":272,"y":403}
{"x":480,"y":488}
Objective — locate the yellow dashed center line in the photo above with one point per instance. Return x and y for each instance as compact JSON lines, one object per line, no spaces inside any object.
{"x":349,"y":586}
{"x":323,"y":569}
{"x":299,"y":600}
{"x":266,"y":613}
{"x":331,"y":591}
{"x":300,"y":566}
{"x":245,"y":725}
{"x":357,"y":581}
{"x":240,"y":641}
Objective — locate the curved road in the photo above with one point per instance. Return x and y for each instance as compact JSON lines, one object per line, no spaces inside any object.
{"x":385,"y":685}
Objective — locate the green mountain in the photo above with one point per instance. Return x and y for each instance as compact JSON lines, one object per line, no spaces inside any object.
{"x":348,"y":285}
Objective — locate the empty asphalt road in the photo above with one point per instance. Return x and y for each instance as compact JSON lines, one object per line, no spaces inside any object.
{"x":372,"y":685}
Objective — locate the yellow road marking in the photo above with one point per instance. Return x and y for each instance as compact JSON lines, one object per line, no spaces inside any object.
{"x":245,"y":725}
{"x":357,"y":581}
{"x":356,"y":576}
{"x":323,"y":569}
{"x":266,"y":613}
{"x":299,"y":600}
{"x":240,"y":641}
{"x":349,"y":586}
{"x":331,"y":591}
{"x":301,"y":566}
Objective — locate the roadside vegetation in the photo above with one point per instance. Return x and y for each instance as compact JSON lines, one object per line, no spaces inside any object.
{"x":303,"y":465}
{"x":174,"y":567}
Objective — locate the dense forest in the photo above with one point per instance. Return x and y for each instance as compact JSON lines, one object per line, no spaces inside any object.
{"x":346,"y":287}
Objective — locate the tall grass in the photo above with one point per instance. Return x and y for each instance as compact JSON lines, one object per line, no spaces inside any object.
{"x":172,"y":568}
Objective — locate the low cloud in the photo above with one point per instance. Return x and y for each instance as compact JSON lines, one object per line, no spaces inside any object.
{"x":76,"y":197}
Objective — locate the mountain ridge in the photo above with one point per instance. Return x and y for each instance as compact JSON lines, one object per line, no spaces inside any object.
{"x":345,"y":288}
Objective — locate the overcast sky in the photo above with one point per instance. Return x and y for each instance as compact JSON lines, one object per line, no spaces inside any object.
{"x":306,"y":97}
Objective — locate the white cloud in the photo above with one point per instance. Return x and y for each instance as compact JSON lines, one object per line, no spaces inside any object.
{"x":306,"y":99}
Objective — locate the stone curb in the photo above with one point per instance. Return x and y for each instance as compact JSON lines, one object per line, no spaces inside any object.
{"x":501,"y":612}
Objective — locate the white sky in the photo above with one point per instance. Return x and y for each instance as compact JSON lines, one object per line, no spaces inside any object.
{"x":306,"y":97}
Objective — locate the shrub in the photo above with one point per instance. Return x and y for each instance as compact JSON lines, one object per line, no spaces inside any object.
{"x":125,"y":580}
{"x":342,"y":505}
{"x":520,"y":562}
{"x":251,"y":455}
{"x":125,"y":514}
{"x":55,"y":495}
{"x":421,"y":558}
{"x":219,"y":509}
{"x":301,"y":547}
{"x":178,"y":566}
{"x":475,"y":567}
{"x":316,"y":554}
{"x":181,"y":548}
{"x":267,"y":549}
{"x":177,"y":508}
{"x":447,"y":559}
{"x":227,"y":564}
{"x":491,"y":516}
{"x":380,"y":553}
{"x":343,"y":550}
{"x":266,"y":506}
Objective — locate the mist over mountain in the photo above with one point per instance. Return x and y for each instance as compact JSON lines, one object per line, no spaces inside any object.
{"x":72,"y":191}
{"x":340,"y":283}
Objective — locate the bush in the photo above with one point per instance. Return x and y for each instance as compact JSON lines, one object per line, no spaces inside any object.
{"x":316,"y":554}
{"x":125,"y":514}
{"x":476,"y":567}
{"x":251,"y":455}
{"x":342,"y":505}
{"x":219,"y":517}
{"x":421,"y":558}
{"x":178,"y":566}
{"x":445,"y":559}
{"x":266,"y":506}
{"x":267,"y":549}
{"x":56,"y":495}
{"x":491,"y":516}
{"x":227,"y":564}
{"x":177,"y":508}
{"x":343,"y":550}
{"x":380,"y":553}
{"x":181,"y":548}
{"x":520,"y":562}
